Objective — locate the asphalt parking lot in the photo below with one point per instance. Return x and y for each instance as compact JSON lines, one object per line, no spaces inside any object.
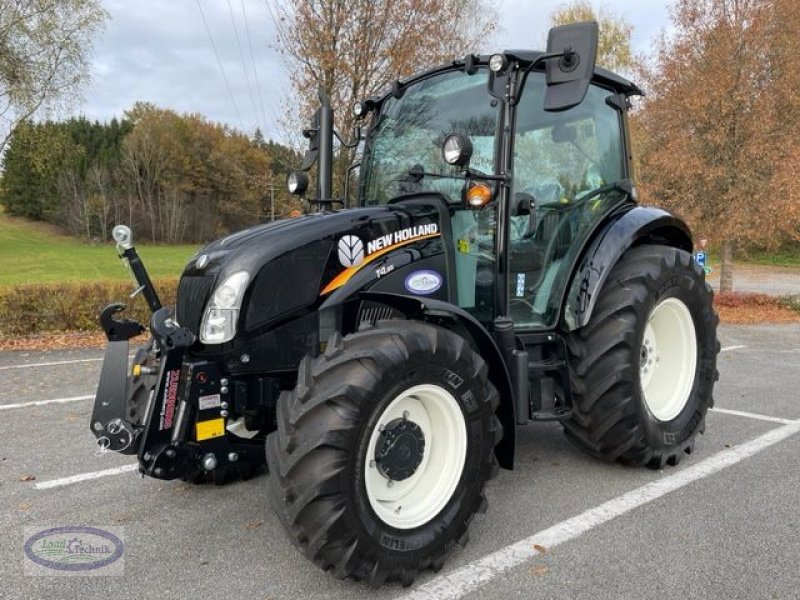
{"x":723,"y":524}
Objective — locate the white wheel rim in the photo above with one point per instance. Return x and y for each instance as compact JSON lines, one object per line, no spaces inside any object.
{"x":419,"y":498}
{"x":668,"y":359}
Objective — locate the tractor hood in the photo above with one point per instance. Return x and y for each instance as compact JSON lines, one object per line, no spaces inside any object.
{"x":250,"y":249}
{"x":292,"y":263}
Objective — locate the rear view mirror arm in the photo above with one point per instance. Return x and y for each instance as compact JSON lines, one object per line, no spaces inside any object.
{"x":533,"y":64}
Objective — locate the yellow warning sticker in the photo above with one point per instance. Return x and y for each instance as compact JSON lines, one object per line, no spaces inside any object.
{"x":463,"y":246}
{"x":210,"y":429}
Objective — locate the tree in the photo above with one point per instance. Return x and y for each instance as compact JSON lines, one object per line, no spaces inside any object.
{"x":193,"y":180}
{"x":65,"y":173}
{"x":44,"y":51}
{"x":354,"y":49}
{"x":715,"y":132}
{"x":35,"y":159}
{"x":614,"y":44}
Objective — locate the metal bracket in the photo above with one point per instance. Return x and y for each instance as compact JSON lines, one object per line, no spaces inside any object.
{"x":167,"y":332}
{"x":108,"y":424}
{"x":118,"y":330}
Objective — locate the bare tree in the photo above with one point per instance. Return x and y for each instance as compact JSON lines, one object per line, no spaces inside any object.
{"x":144,"y":159}
{"x":354,"y":49}
{"x":44,"y":50}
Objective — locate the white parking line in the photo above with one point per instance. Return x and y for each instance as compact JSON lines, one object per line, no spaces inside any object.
{"x":44,"y":485}
{"x":44,"y":402}
{"x":749,"y":415}
{"x":50,"y":364}
{"x":471,"y":577}
{"x":729,"y":348}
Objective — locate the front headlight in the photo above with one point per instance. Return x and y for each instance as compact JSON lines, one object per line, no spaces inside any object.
{"x":222,"y":312}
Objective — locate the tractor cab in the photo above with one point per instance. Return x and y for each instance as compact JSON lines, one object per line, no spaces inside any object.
{"x":556,"y":182}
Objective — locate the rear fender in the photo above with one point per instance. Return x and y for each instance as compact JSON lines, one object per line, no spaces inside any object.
{"x":640,"y":225}
{"x":458,"y":320}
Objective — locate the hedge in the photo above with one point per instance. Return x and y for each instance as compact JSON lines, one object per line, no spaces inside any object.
{"x":36,"y":308}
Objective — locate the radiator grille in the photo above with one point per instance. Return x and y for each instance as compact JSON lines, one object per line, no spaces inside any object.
{"x":372,"y":313}
{"x":193,"y":293}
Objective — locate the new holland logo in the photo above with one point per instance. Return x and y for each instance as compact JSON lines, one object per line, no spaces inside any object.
{"x":351,"y":251}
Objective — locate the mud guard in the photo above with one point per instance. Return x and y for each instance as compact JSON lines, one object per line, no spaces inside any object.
{"x":441,"y":313}
{"x":640,"y":225}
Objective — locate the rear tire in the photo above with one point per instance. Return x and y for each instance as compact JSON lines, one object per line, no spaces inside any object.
{"x":383,"y":449}
{"x":643,"y":369}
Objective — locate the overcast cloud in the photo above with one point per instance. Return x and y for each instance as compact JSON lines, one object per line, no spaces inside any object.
{"x":160,"y":52}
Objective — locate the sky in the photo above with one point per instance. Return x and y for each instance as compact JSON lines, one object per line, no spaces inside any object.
{"x":164,"y":53}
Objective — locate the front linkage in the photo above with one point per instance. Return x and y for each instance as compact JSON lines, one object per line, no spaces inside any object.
{"x":169,"y":408}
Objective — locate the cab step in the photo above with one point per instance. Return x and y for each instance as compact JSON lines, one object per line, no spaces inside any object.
{"x":560,"y":413}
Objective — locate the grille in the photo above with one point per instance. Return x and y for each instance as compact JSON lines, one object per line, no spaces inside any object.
{"x":193,"y":293}
{"x":371,"y":313}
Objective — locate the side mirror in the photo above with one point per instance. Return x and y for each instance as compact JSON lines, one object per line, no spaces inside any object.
{"x":312,"y":133}
{"x":525,"y":205}
{"x":297,"y":183}
{"x":569,"y":75}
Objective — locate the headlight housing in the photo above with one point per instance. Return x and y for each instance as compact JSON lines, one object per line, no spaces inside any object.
{"x":222,"y":313}
{"x":457,"y":149}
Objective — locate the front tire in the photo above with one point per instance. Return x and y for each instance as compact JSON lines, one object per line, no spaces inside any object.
{"x":643,"y":369}
{"x":383,"y":450}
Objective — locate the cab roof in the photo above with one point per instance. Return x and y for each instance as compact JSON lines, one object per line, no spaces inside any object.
{"x":602,"y":76}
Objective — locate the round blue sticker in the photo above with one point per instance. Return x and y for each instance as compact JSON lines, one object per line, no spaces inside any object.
{"x":423,"y":282}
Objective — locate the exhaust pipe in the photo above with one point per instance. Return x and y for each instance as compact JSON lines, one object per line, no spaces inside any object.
{"x":325,"y":165}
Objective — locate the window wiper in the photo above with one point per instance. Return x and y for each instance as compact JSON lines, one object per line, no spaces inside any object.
{"x":418,"y":173}
{"x":626,"y":186}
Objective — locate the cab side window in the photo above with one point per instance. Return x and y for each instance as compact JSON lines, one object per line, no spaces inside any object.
{"x":559,"y":158}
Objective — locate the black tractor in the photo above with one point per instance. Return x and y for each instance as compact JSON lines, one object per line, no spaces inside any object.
{"x":496,"y":270}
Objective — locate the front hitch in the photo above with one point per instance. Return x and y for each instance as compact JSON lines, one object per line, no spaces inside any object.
{"x":171,"y":409}
{"x":110,"y":417}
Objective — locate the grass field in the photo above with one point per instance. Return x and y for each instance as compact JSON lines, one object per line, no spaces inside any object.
{"x":32,"y":252}
{"x":779,"y":258}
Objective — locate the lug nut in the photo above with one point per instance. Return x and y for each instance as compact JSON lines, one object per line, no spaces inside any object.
{"x":223,"y":389}
{"x":209,"y":462}
{"x":223,"y":413}
{"x":170,"y":453}
{"x":245,"y":358}
{"x":223,"y":382}
{"x":223,"y":405}
{"x":233,"y":457}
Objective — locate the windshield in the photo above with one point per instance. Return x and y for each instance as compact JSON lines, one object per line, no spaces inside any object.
{"x":410,"y":131}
